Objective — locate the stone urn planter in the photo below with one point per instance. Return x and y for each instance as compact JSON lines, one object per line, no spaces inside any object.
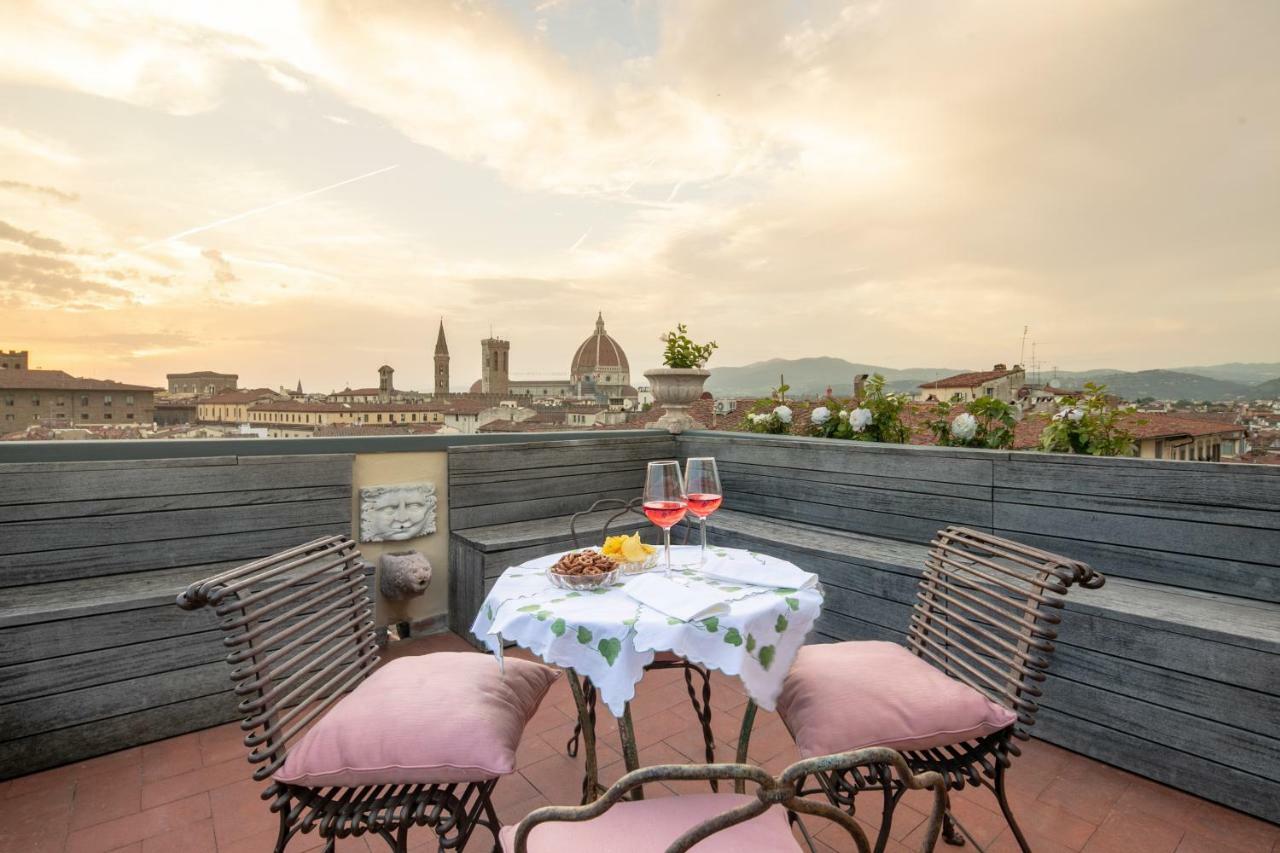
{"x":675,"y":389}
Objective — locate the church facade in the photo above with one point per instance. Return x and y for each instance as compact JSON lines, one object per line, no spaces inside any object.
{"x":599,"y":371}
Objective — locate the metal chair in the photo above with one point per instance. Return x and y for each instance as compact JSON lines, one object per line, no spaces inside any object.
{"x":299,"y":626}
{"x":984,"y":615}
{"x":663,"y":660}
{"x":720,"y":812}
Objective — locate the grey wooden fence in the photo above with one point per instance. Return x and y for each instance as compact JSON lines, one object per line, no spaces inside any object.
{"x":1172,"y":670}
{"x":510,"y":502}
{"x":94,"y":656}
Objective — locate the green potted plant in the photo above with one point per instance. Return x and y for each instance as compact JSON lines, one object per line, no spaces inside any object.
{"x":676,"y":385}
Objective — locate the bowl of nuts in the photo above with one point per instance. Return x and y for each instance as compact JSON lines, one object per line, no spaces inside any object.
{"x":580,"y":570}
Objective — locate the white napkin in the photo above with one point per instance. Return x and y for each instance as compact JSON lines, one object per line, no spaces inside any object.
{"x":755,"y":569}
{"x":674,"y":599}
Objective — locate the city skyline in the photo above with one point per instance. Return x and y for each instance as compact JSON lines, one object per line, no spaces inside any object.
{"x":293,"y":192}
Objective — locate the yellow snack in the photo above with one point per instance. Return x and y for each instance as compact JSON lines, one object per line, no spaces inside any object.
{"x":628,"y":549}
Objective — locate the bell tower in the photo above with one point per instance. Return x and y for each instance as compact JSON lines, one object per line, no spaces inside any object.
{"x":442,"y":364}
{"x":494,"y":375}
{"x":386,"y":388}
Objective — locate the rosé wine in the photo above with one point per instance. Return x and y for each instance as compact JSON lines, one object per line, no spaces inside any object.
{"x":665,"y":513}
{"x":702,"y":505}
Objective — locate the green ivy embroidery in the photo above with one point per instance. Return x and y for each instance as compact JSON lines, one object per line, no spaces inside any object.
{"x":488,"y":612}
{"x":610,"y":647}
{"x":584,"y":635}
{"x":781,"y":625}
{"x":793,"y":603}
{"x":732,"y":637}
{"x":766,"y":657}
{"x":712,"y":623}
{"x":558,"y":627}
{"x":751,"y":643}
{"x":542,"y":615}
{"x":529,"y":608}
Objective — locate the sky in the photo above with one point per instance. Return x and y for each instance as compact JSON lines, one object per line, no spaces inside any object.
{"x":303,"y":190}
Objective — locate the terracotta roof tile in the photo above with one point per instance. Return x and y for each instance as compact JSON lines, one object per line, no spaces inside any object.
{"x":60,"y":380}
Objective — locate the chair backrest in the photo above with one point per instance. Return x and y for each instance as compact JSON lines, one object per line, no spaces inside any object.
{"x":986,"y":610}
{"x":781,"y":791}
{"x":299,"y":625}
{"x":622,"y":509}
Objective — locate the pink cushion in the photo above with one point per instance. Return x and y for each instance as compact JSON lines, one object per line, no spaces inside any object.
{"x":649,"y":826}
{"x":440,"y":717}
{"x":844,"y":696}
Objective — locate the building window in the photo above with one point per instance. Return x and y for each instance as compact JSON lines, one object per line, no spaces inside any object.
{"x":106,"y":416}
{"x":8,"y":399}
{"x":84,"y":400}
{"x":35,"y":399}
{"x":60,"y":401}
{"x":128,"y":399}
{"x":84,"y":416}
{"x":106,"y":399}
{"x":8,"y":416}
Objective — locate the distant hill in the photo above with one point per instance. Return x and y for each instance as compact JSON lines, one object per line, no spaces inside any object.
{"x":1251,"y":373}
{"x":812,"y":376}
{"x":809,"y":376}
{"x":1172,"y":385}
{"x":1269,"y":390}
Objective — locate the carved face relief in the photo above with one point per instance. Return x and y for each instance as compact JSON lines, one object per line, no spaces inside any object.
{"x":395,"y":513}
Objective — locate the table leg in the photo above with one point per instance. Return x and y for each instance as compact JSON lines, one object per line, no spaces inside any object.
{"x":591,"y":775}
{"x":744,"y":740}
{"x":630,"y":753}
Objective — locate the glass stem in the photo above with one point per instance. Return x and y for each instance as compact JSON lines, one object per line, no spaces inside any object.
{"x":666,"y":546}
{"x":702,"y":555}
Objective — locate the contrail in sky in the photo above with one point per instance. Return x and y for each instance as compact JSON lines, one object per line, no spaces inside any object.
{"x":578,"y":242}
{"x":271,"y":206}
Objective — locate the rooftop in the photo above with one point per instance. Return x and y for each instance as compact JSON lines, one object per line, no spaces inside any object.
{"x":193,"y":792}
{"x":971,"y":380}
{"x":59,"y":380}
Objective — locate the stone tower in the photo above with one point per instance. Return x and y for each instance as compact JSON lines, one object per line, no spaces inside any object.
{"x":495,"y":377}
{"x":442,"y":364}
{"x":385,"y":386}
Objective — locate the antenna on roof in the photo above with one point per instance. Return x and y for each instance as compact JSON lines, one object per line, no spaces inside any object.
{"x":1022,"y":354}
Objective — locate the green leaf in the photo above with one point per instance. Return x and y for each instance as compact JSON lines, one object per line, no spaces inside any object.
{"x":732,"y":637}
{"x":786,"y":591}
{"x":731,"y":588}
{"x":542,"y":615}
{"x":558,"y":627}
{"x":671,"y":620}
{"x":584,"y":635}
{"x":712,"y":623}
{"x":574,"y":595}
{"x":599,"y":591}
{"x":610,"y":647}
{"x":781,"y":625}
{"x":793,"y":603}
{"x":529,"y":608}
{"x":629,"y":622}
{"x":766,"y":657}
{"x":488,"y":612}
{"x":751,"y":643}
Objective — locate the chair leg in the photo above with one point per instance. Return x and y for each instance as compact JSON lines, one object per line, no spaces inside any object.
{"x":1003,"y":799}
{"x":282,"y":838}
{"x":950,"y":834}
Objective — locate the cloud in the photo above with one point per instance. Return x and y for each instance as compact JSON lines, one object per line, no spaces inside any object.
{"x":23,"y":143}
{"x":30,"y":239}
{"x":52,"y":192}
{"x":221,"y":267}
{"x":52,"y":281}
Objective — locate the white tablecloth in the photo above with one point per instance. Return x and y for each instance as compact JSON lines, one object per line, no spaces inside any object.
{"x":609,"y":637}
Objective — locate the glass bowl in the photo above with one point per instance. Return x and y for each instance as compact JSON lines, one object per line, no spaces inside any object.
{"x":638,"y":566}
{"x":581,"y":583}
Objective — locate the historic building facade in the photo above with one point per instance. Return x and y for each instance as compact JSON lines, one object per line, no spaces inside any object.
{"x":598,"y":371}
{"x":55,"y":398}
{"x":203,"y":383}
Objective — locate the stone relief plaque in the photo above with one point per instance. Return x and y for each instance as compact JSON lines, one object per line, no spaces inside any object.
{"x":398,"y":512}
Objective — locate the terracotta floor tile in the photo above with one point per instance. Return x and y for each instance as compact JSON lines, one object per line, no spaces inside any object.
{"x":222,"y":743}
{"x":1124,"y":830}
{"x":1089,"y":796}
{"x":1234,"y":828}
{"x":145,"y":824}
{"x":194,"y":781}
{"x":239,"y":811}
{"x":106,"y":796}
{"x":195,"y":837}
{"x":166,"y":758}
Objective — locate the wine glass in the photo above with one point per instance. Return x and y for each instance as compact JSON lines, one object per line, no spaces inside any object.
{"x":702,"y":485}
{"x":664,"y":500}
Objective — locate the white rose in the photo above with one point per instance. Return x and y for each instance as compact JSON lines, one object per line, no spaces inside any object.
{"x":820,"y":416}
{"x":860,"y":418}
{"x":754,"y":418}
{"x":1075,"y":414}
{"x":844,"y":416}
{"x":783,"y":413}
{"x":964,"y":427}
